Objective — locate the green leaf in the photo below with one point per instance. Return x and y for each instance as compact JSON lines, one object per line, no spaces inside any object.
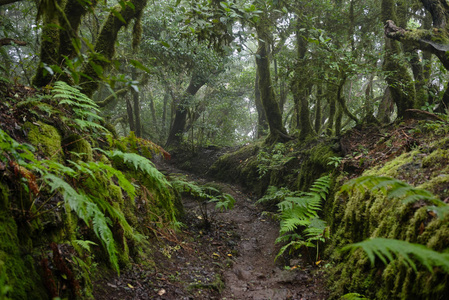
{"x":140,"y":66}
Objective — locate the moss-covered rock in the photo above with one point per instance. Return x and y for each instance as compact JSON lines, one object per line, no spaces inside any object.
{"x":356,"y":216}
{"x":46,"y":138}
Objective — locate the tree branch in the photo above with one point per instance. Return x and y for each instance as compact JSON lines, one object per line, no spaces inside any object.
{"x":4,"y":2}
{"x":8,"y":41}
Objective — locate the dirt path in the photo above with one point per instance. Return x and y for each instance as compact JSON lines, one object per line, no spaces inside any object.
{"x":254,"y":274}
{"x":232,"y":259}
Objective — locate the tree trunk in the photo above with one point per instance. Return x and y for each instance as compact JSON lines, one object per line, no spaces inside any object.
{"x":399,"y":80}
{"x":136,"y":102}
{"x":129,"y":111}
{"x":105,"y":45}
{"x":277,"y":131}
{"x":262,"y":125}
{"x":318,"y":110}
{"x":179,"y":124}
{"x":50,"y":43}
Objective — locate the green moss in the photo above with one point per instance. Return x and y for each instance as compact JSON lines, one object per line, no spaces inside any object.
{"x":78,"y":148}
{"x":357,"y":216}
{"x":20,"y":271}
{"x":393,"y":168}
{"x":4,"y":196}
{"x":314,"y":164}
{"x":46,"y":138}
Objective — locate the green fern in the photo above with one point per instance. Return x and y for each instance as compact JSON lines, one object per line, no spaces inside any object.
{"x":84,"y":108}
{"x":158,"y":180}
{"x":301,"y":211}
{"x":388,"y":249}
{"x":223,"y":201}
{"x":89,"y":212}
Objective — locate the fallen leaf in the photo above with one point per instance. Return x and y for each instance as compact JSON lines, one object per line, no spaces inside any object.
{"x":130,"y":286}
{"x":161,"y":292}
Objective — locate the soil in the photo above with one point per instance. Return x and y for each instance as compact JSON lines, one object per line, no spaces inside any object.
{"x":232,"y":257}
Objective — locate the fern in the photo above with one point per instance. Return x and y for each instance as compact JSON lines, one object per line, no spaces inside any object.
{"x":301,"y":211}
{"x":84,"y":108}
{"x":223,"y":201}
{"x":158,"y":180}
{"x":388,"y":249}
{"x":89,"y":212}
{"x":84,"y":244}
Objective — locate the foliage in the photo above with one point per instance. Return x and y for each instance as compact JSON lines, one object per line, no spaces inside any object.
{"x":302,"y":212}
{"x":223,"y":201}
{"x":387,"y":249}
{"x":85,"y":110}
{"x":95,"y":212}
{"x":353,"y":296}
{"x":204,"y":195}
{"x":4,"y":288}
{"x":273,"y":160}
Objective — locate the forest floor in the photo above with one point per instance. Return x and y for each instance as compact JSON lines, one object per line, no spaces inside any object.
{"x":232,"y":257}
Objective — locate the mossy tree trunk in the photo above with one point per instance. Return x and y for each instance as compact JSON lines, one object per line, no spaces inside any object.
{"x":262,"y":125}
{"x":278,"y":133}
{"x":399,"y":80}
{"x":301,"y":88}
{"x":61,"y":23}
{"x":50,"y":43}
{"x":179,"y":123}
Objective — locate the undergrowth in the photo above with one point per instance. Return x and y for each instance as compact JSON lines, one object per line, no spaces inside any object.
{"x":300,"y":225}
{"x":204,"y":195}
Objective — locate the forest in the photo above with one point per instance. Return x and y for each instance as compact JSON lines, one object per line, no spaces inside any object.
{"x":205,"y":149}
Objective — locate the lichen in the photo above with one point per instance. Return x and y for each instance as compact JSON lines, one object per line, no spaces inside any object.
{"x":46,"y":138}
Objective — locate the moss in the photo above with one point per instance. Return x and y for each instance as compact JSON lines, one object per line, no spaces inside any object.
{"x":78,"y":148}
{"x":4,"y":196}
{"x":314,"y":164}
{"x":358,"y":216}
{"x":20,"y":271}
{"x":46,"y":138}
{"x":393,"y":168}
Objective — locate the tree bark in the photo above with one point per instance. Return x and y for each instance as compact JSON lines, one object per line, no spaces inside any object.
{"x":262,"y":125}
{"x":179,"y":124}
{"x":136,"y":102}
{"x":278,"y":133}
{"x":399,"y":80}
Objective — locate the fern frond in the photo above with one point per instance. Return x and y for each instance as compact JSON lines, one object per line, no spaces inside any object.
{"x":89,"y":212}
{"x":387,"y":249}
{"x":85,"y":244}
{"x":160,"y":183}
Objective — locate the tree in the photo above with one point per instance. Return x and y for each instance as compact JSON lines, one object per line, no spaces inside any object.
{"x":278,"y":133}
{"x":432,"y":40}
